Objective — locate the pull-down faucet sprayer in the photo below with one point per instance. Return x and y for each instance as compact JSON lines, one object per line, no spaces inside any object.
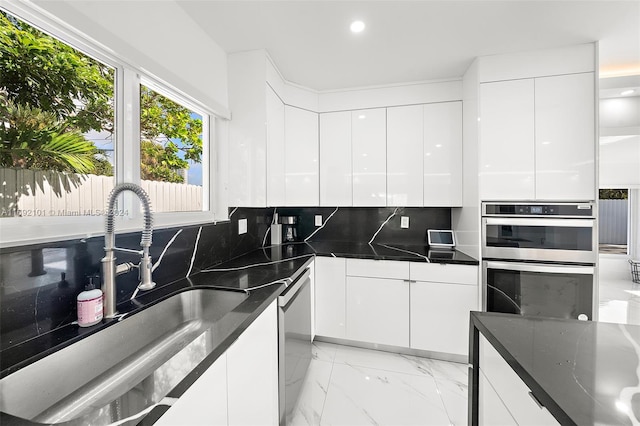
{"x":109,"y":269}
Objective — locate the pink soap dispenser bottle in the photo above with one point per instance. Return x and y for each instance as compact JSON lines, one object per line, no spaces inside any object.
{"x":90,"y":305}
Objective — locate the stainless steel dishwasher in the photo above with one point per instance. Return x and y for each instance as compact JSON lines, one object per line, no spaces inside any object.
{"x":294,"y":342}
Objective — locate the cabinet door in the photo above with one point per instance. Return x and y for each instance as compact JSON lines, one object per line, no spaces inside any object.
{"x":510,"y":388}
{"x":507,"y":140}
{"x":301,"y":157}
{"x":205,"y":402}
{"x":335,"y":159}
{"x":404,"y":155}
{"x":565,"y":137}
{"x":378,"y":311}
{"x":491,"y":409}
{"x":440,"y":316}
{"x":330,"y":293}
{"x":275,"y":149}
{"x":369,"y":150}
{"x":443,"y":154}
{"x":252,"y":373}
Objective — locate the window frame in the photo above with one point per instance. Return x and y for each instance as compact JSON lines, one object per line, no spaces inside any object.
{"x":21,"y":231}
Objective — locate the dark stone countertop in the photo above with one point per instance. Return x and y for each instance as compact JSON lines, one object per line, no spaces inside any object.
{"x":262,"y":272}
{"x":584,"y":372}
{"x":246,"y":275}
{"x":254,"y":269}
{"x":360,"y":250}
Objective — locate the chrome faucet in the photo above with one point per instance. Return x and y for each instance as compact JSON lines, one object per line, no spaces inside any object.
{"x":109,"y":268}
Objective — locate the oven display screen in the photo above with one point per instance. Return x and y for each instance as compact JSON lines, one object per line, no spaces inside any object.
{"x":536,"y":209}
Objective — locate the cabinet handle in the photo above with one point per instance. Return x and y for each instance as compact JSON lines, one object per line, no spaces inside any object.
{"x":537,"y":401}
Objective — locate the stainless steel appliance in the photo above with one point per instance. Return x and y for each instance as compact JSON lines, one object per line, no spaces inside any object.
{"x":294,"y":342}
{"x":289,"y":228}
{"x":539,"y":259}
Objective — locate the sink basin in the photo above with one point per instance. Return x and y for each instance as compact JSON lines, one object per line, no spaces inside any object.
{"x":124,"y":369}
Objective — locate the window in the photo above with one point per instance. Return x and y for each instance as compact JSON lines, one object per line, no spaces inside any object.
{"x":171,"y":142}
{"x":613,"y":228}
{"x":67,"y":137}
{"x":57,"y":152}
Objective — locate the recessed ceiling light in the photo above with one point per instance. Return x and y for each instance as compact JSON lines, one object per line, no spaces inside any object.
{"x":357,"y":26}
{"x":362,"y":116}
{"x":628,"y":92}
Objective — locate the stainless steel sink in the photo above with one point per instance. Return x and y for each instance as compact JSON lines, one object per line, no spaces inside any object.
{"x":124,"y":369}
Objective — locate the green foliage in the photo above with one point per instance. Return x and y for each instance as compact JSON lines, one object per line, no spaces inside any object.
{"x":163,"y":121}
{"x":161,"y":162}
{"x":614,"y":194}
{"x":51,"y":94}
{"x":34,"y":139}
{"x":44,"y":73}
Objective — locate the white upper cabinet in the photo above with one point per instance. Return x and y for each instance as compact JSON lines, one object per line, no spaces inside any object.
{"x":565,"y":137}
{"x":368,"y":141}
{"x":275,"y":149}
{"x":301,"y":157}
{"x":443,"y":154}
{"x":247,"y":136}
{"x":336,"y":181}
{"x":537,"y":139}
{"x":507,"y":154}
{"x":405,"y":135}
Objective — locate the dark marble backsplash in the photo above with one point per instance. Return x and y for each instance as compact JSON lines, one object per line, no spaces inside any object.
{"x":35,"y":300}
{"x":367,"y":224}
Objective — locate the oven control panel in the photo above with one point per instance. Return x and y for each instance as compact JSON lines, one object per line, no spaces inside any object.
{"x":560,"y":209}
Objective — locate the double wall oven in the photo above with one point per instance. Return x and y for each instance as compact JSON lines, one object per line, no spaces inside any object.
{"x":539,"y":259}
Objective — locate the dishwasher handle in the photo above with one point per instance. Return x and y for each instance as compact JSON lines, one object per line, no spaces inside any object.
{"x":293,"y":288}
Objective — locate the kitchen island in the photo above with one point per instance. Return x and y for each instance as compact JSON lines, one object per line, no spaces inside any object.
{"x":532,"y":370}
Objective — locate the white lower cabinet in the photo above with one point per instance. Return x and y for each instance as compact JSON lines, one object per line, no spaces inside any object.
{"x":205,"y":402}
{"x":440,"y":316}
{"x":504,"y":390}
{"x":492,"y":410}
{"x":330,"y":293}
{"x":442,"y":295}
{"x":246,"y":375}
{"x":378,"y":310}
{"x":414,"y":305}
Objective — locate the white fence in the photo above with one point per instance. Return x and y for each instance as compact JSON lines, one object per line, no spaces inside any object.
{"x":48,"y":193}
{"x":612,"y":221}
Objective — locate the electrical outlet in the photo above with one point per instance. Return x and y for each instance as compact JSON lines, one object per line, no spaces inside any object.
{"x":242,"y":226}
{"x":404,"y":222}
{"x":318,"y":220}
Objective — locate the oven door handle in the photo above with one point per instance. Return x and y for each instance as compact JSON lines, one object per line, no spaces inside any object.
{"x":541,"y":267}
{"x":573,"y":223}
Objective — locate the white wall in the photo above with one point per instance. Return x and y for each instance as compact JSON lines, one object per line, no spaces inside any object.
{"x":538,"y":63}
{"x":620,"y":161}
{"x":620,"y":142}
{"x":247,"y":131}
{"x":158,"y":37}
{"x":392,"y":95}
{"x":466,"y":220}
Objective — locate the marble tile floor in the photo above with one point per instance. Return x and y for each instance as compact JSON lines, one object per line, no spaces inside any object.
{"x":619,"y":301}
{"x":352,"y":386}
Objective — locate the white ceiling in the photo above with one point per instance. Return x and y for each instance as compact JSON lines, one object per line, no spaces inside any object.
{"x":416,"y":40}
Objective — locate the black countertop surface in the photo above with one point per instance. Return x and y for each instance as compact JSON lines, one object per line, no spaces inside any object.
{"x":584,"y":372}
{"x":359,"y":250}
{"x":257,"y":268}
{"x":263,"y":273}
